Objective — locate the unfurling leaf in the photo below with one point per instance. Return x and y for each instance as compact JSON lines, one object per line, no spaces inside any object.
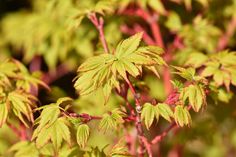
{"x":64,"y":102}
{"x":187,"y":74}
{"x":165,"y":111}
{"x":3,"y":113}
{"x":148,"y":114}
{"x":82,"y":135}
{"x":182,"y":116}
{"x":195,"y":95}
{"x":110,"y":121}
{"x":120,"y":149}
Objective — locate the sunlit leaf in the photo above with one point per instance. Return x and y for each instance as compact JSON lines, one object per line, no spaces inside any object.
{"x":195,"y":95}
{"x":187,"y":74}
{"x":25,"y":149}
{"x":128,"y":46}
{"x":173,"y":22}
{"x":148,"y":114}
{"x":196,"y":59}
{"x":21,"y":104}
{"x":103,"y":70}
{"x":55,"y":132}
{"x":111,"y":121}
{"x":120,"y":149}
{"x":82,"y":135}
{"x":165,"y":111}
{"x":182,"y":116}
{"x":3,"y":113}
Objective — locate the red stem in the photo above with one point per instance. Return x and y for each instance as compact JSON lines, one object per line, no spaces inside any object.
{"x":158,"y":138}
{"x":88,"y":117}
{"x":123,"y":93}
{"x":155,"y":28}
{"x":35,"y":65}
{"x":156,"y":33}
{"x":51,"y":76}
{"x":223,"y":41}
{"x":99,"y":24}
{"x":85,"y":116}
{"x":138,"y":28}
{"x":147,"y":146}
{"x":21,"y":133}
{"x":138,"y":123}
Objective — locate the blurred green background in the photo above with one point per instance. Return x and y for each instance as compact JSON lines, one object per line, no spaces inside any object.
{"x":31,"y":29}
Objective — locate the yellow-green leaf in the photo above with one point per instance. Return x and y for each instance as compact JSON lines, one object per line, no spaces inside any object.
{"x":82,"y":135}
{"x":128,"y":46}
{"x":182,"y":116}
{"x":3,"y":113}
{"x":196,"y":59}
{"x":173,"y":22}
{"x":148,"y":114}
{"x":56,"y":132}
{"x":157,"y":6}
{"x":165,"y":111}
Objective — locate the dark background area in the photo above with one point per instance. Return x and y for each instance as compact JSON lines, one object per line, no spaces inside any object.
{"x":13,"y":5}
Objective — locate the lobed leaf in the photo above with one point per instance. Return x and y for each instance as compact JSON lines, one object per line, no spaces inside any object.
{"x":82,"y":135}
{"x":195,"y":95}
{"x":148,"y":114}
{"x":128,"y":58}
{"x":128,"y":46}
{"x":21,"y":104}
{"x":110,"y":121}
{"x":56,"y":132}
{"x":182,"y":116}
{"x":187,"y":74}
{"x":120,"y":149}
{"x":165,"y":111}
{"x":3,"y":113}
{"x":196,"y":59}
{"x":24,"y":149}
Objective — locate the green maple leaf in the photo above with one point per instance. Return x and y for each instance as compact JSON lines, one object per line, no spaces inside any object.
{"x":182,"y":116}
{"x":128,"y":58}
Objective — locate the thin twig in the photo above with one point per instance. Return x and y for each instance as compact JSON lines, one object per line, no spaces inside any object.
{"x":87,"y":117}
{"x":147,"y":146}
{"x":21,"y":132}
{"x":53,"y":75}
{"x":123,"y":93}
{"x":138,"y":28}
{"x":155,"y":28}
{"x":99,"y":24}
{"x":224,"y":40}
{"x":152,"y":21}
{"x":158,"y":138}
{"x":138,"y":123}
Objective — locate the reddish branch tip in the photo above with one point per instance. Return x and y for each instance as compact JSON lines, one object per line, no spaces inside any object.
{"x":99,"y":24}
